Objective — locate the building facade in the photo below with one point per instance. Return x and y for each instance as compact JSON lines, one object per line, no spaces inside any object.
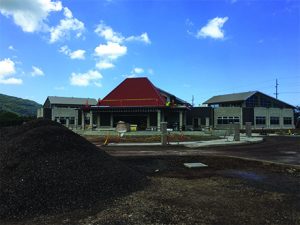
{"x":261,"y":110}
{"x":137,"y":101}
{"x":65,"y":110}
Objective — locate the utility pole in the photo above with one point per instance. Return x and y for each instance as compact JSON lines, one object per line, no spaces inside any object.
{"x":192,"y":100}
{"x":276,"y":88}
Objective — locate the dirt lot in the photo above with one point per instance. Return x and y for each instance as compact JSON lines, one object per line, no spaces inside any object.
{"x":230,"y":191}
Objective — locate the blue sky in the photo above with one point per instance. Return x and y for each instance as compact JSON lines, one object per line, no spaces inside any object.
{"x":85,"y":48}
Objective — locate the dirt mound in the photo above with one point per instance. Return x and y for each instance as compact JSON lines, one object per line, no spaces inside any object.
{"x":45,"y":168}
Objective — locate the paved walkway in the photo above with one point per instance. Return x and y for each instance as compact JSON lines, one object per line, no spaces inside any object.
{"x":278,"y":149}
{"x":196,"y":144}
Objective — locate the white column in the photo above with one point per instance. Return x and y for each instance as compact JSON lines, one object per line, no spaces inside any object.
{"x":207,"y":122}
{"x":67,"y":122}
{"x":76,"y":122}
{"x":52,"y":115}
{"x":180,"y":120}
{"x":82,"y":120}
{"x":148,"y":121}
{"x":98,"y":120}
{"x":281,"y":119}
{"x":91,"y":119}
{"x":267,"y":118}
{"x":241,"y":119}
{"x":111,"y":119}
{"x":158,"y":119}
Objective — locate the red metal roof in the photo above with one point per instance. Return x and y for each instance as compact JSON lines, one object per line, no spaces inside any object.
{"x":134,"y":92}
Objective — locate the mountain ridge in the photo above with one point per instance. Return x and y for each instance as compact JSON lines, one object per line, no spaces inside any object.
{"x":20,"y":106}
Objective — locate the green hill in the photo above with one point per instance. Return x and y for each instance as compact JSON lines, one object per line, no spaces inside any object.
{"x":22,"y":107}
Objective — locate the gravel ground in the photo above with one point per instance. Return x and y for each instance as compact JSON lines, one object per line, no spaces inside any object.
{"x":230,"y":191}
{"x":50,"y":175}
{"x":46,"y":168}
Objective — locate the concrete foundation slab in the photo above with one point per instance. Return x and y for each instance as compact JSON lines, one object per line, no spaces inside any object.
{"x":194,"y":165}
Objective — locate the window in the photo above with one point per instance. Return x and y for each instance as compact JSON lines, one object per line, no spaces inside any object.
{"x":287,"y":120}
{"x":220,"y":120}
{"x":62,"y":120}
{"x":260,"y":120}
{"x":236,"y":119}
{"x":274,"y":120}
{"x":72,"y":120}
{"x":228,"y":120}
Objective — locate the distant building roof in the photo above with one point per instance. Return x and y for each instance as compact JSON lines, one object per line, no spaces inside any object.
{"x":71,"y":100}
{"x":137,"y":92}
{"x":237,"y":97}
{"x":241,"y":97}
{"x":134,"y":92}
{"x":177,"y":100}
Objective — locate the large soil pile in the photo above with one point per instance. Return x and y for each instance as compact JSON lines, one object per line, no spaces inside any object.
{"x":45,"y":168}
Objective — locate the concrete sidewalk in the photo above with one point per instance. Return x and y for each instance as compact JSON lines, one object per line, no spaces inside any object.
{"x":195,"y":144}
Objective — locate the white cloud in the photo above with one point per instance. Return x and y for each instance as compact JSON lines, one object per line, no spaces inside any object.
{"x":138,"y":70}
{"x":11,"y":48}
{"x":150,"y":71}
{"x":102,"y":64}
{"x":66,"y":25}
{"x":115,"y":45}
{"x":110,"y":50}
{"x":65,"y":49}
{"x":98,"y":84}
{"x":30,"y":15}
{"x":213,"y":29}
{"x":129,"y":76}
{"x":142,"y":38}
{"x":84,"y":79}
{"x":77,"y":54}
{"x":36,"y":71}
{"x":108,"y":34}
{"x":11,"y":80}
{"x":7,"y":69}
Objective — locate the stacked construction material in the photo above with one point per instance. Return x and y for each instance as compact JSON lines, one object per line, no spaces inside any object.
{"x":46,"y":168}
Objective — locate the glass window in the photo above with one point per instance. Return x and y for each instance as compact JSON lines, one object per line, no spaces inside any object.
{"x":220,"y":121}
{"x":228,"y":120}
{"x":236,"y":119}
{"x":225,"y":120}
{"x":274,"y":120}
{"x":62,"y":120}
{"x":260,"y":120}
{"x":287,"y":120}
{"x":72,"y":120}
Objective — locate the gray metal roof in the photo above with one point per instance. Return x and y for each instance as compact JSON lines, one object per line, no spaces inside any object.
{"x":237,"y":97}
{"x":167,"y":93}
{"x":71,"y":100}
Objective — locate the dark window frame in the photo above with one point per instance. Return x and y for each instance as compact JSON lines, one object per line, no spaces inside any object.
{"x":287,"y":120}
{"x":260,"y":120}
{"x":274,"y":120}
